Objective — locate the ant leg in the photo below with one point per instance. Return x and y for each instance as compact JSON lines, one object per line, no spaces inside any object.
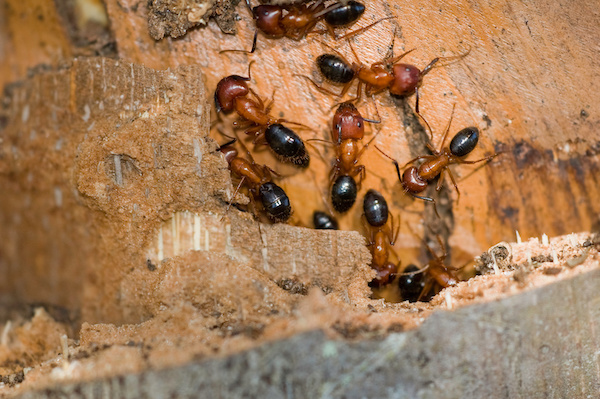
{"x":396,"y":233}
{"x":426,"y":288}
{"x":428,"y":199}
{"x":237,"y":189}
{"x":347,"y":86}
{"x":455,"y":185}
{"x":417,"y":100}
{"x":258,"y":99}
{"x":361,"y":30}
{"x":488,"y":158}
{"x":320,"y":88}
{"x":447,"y":128}
{"x":395,"y":59}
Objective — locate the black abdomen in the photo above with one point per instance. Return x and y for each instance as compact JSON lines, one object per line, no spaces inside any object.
{"x":335,"y":68}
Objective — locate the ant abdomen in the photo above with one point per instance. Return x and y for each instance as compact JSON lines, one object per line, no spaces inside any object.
{"x":343,"y":193}
{"x":345,"y":15}
{"x":375,"y":208}
{"x":275,"y":202}
{"x":464,"y":141}
{"x":335,"y":69}
{"x":287,"y":145}
{"x":324,"y":221}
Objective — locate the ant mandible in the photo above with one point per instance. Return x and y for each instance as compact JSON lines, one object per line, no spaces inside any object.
{"x":258,"y":180}
{"x":232,"y":94}
{"x":295,"y":21}
{"x":381,"y":238}
{"x":415,"y":179}
{"x":401,"y":80}
{"x":347,"y":130}
{"x":417,"y":284}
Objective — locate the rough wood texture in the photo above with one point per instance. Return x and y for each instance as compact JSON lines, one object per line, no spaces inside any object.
{"x":516,"y":347}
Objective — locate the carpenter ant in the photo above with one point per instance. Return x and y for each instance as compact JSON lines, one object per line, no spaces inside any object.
{"x":324,"y":221}
{"x":401,"y":80}
{"x":257,"y":178}
{"x":415,"y":179}
{"x":232,"y":94}
{"x":381,"y":238}
{"x":421,"y":284}
{"x":347,"y":131}
{"x":295,"y":21}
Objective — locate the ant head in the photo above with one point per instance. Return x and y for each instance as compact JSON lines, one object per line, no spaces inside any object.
{"x":385,"y":275}
{"x":228,"y":152}
{"x":268,"y":20}
{"x":347,"y":123}
{"x":406,"y":79}
{"x":464,"y":141}
{"x":228,"y":89}
{"x":412,"y":182}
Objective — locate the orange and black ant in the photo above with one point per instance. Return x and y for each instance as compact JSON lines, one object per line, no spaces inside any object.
{"x":295,"y":21}
{"x":381,"y":238}
{"x":232,"y":95}
{"x":416,"y":179}
{"x":421,"y":284}
{"x":257,"y":178}
{"x":401,"y":80}
{"x":347,"y":130}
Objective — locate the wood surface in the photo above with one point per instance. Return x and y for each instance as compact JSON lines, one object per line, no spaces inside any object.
{"x":527,"y":83}
{"x":516,"y":347}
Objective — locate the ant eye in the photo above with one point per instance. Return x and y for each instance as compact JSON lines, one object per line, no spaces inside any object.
{"x":359,"y":124}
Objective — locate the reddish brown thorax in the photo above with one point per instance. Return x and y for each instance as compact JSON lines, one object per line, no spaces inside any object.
{"x":380,"y":249}
{"x":348,"y":156}
{"x":252,"y":111}
{"x":431,"y":168}
{"x":376,"y":77}
{"x":348,"y":124}
{"x":228,"y":89}
{"x":406,"y":79}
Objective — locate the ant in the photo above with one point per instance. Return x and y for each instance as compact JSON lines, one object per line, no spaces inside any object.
{"x":324,"y":221}
{"x":381,"y":238}
{"x":347,"y":130}
{"x":232,"y":94}
{"x":415,"y":179}
{"x":402,"y":80}
{"x":295,"y":21}
{"x":420,"y":284}
{"x":257,"y":178}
